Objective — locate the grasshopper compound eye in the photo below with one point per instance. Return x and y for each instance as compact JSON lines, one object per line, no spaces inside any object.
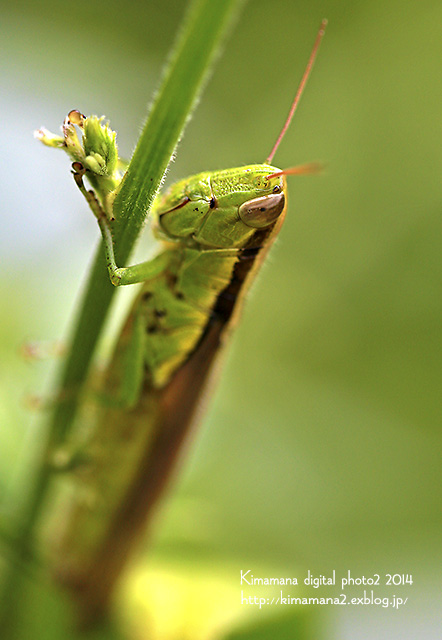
{"x":261,"y":212}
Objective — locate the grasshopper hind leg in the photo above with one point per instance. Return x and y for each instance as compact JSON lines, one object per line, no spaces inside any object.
{"x":125,"y":374}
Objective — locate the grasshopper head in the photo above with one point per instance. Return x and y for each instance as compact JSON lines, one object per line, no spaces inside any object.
{"x":223,"y":209}
{"x":246,"y":200}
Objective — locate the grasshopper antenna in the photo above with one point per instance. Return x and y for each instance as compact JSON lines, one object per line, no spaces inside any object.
{"x":300,"y":90}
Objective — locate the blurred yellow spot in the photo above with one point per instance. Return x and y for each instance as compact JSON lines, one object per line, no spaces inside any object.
{"x":182,"y":602}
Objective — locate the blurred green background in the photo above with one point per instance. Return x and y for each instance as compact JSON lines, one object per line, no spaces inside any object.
{"x":321,"y":449}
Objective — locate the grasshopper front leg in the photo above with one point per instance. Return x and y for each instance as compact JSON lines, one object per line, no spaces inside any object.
{"x":118,"y":275}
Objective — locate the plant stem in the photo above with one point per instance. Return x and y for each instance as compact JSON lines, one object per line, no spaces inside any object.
{"x":198,"y":42}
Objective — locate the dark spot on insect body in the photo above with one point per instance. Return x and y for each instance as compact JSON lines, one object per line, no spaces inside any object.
{"x":212,"y":203}
{"x":160,"y":313}
{"x":196,"y":209}
{"x":262,"y":209}
{"x":179,"y":295}
{"x":147,"y":295}
{"x":152,"y":328}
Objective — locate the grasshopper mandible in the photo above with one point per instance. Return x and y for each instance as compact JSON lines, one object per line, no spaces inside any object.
{"x":215,"y":228}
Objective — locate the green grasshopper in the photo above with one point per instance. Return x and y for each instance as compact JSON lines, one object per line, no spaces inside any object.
{"x":215,"y":229}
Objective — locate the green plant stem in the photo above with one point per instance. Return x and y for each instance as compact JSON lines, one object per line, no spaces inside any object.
{"x":188,"y":69}
{"x":203,"y":29}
